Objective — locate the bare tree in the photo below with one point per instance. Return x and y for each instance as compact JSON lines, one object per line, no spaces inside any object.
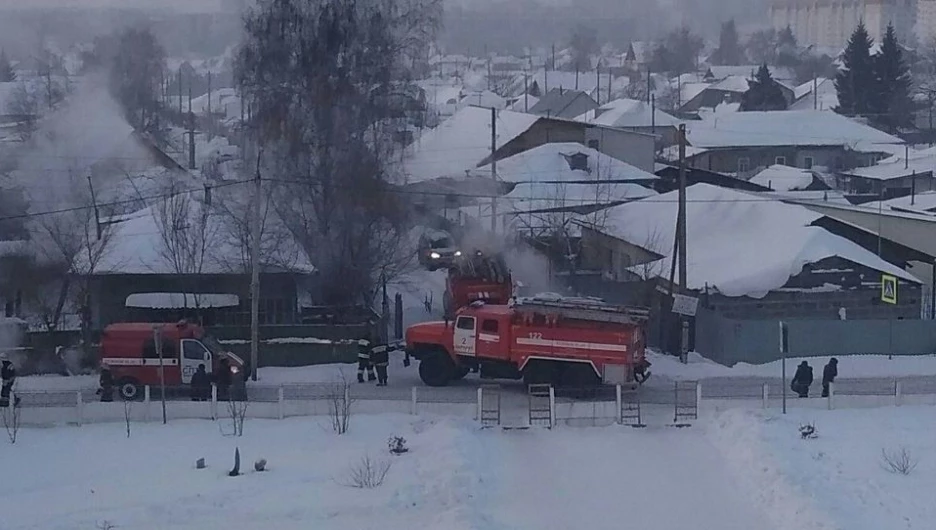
{"x":368,"y":473}
{"x":900,"y":462}
{"x":11,"y":419}
{"x":339,"y":405}
{"x":187,"y":233}
{"x":237,"y":412}
{"x":137,"y":68}
{"x":24,"y":104}
{"x":233,"y":206}
{"x":324,"y":81}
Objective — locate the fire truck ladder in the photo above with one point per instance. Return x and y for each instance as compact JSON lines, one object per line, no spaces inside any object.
{"x":583,"y":309}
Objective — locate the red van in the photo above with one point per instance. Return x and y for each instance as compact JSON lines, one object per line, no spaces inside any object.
{"x":129,"y":349}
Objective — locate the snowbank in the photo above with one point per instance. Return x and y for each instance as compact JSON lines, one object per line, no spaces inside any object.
{"x":840,"y":473}
{"x":850,"y":366}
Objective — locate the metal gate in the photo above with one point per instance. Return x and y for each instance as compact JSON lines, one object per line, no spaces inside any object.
{"x":686,"y":402}
{"x":630,"y":408}
{"x":540,"y":405}
{"x":490,"y":405}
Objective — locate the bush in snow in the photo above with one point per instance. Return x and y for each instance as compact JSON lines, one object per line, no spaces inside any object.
{"x":11,"y":420}
{"x":260,"y":465}
{"x":899,"y":462}
{"x":106,"y":525}
{"x":368,"y":473}
{"x":339,"y":405}
{"x":200,"y":463}
{"x":808,"y":431}
{"x":397,"y":445}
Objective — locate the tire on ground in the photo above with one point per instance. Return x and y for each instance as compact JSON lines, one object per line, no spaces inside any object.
{"x":460,"y":372}
{"x":540,"y":372}
{"x":437,"y":369}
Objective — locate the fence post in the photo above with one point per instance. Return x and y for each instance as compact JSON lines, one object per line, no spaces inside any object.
{"x":698,"y":398}
{"x":831,"y":396}
{"x":214,"y":401}
{"x":79,"y":407}
{"x":280,"y":402}
{"x":552,"y":407}
{"x":897,"y":393}
{"x":146,"y":403}
{"x":413,"y":409}
{"x":766,"y":391}
{"x":619,"y":402}
{"x":479,"y":404}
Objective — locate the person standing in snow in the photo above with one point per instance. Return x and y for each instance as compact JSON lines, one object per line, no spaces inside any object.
{"x":802,"y":379}
{"x":223,"y":379}
{"x":380,"y":358}
{"x":107,"y":384}
{"x":364,"y":361}
{"x":201,"y":384}
{"x":7,"y":380}
{"x":829,"y":373}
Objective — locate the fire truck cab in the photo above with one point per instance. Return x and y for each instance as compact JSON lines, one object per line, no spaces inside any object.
{"x":130,"y":350}
{"x":542,"y":340}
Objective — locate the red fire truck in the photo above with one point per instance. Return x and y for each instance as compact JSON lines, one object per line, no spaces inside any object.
{"x":476,"y":277}
{"x":130,"y":350}
{"x":570,"y":342}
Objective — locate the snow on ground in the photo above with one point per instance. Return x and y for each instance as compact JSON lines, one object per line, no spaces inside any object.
{"x":456,"y":476}
{"x":837,"y":480}
{"x":850,"y":366}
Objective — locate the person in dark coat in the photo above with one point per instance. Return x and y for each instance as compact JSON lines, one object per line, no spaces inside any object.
{"x":380,"y":358}
{"x":364,"y":361}
{"x":201,"y":384}
{"x":829,"y":373}
{"x":7,"y":380}
{"x":223,"y":379}
{"x":107,"y":384}
{"x":802,"y":379}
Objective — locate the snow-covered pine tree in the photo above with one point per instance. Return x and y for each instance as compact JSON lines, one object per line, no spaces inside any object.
{"x":894,"y":106}
{"x":855,"y":82}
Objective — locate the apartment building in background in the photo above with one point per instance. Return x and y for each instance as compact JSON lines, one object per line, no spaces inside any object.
{"x":828,"y":24}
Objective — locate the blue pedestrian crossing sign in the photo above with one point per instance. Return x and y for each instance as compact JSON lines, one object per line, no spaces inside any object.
{"x":888,"y":289}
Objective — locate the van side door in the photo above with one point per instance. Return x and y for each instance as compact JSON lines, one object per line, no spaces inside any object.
{"x":194,"y":353}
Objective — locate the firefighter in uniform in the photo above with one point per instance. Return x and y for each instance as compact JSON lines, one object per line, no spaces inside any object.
{"x":7,"y":380}
{"x":364,"y":361}
{"x":380,"y":358}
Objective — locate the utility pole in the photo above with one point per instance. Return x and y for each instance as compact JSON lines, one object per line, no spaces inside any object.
{"x":653,"y":113}
{"x":526,"y":93}
{"x":180,"y":92}
{"x":191,"y":121}
{"x":576,"y":77}
{"x":598,"y":84}
{"x":157,"y":338}
{"x":209,"y":105}
{"x":681,"y":228}
{"x":815,"y":93}
{"x":649,"y":82}
{"x":255,"y":273}
{"x":494,"y":168}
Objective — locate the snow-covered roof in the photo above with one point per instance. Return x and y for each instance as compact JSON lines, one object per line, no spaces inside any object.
{"x":734,"y":83}
{"x":826,"y":98}
{"x":523,"y":103}
{"x":783,"y":178}
{"x":740,"y":244}
{"x":783,"y":128}
{"x":689,"y":91}
{"x":895,"y":167}
{"x":136,"y":245}
{"x":924,"y":201}
{"x":462,"y":142}
{"x":628,"y":113}
{"x":181,"y":300}
{"x":545,"y":178}
{"x":829,"y":196}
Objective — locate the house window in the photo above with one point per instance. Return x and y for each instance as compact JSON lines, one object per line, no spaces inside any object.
{"x":577,"y":162}
{"x":808,"y":162}
{"x":594,"y":144}
{"x":744,"y":165}
{"x":780,"y":161}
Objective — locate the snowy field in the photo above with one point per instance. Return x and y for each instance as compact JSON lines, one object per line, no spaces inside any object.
{"x":456,"y":476}
{"x":839,"y":479}
{"x":737,"y":470}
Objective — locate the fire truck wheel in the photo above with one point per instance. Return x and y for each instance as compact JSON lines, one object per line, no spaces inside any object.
{"x":579,"y":375}
{"x":436,"y":370}
{"x":460,"y":373}
{"x":130,"y":389}
{"x":538,"y":372}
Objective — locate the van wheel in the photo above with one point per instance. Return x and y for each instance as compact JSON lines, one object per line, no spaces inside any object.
{"x":129,"y":389}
